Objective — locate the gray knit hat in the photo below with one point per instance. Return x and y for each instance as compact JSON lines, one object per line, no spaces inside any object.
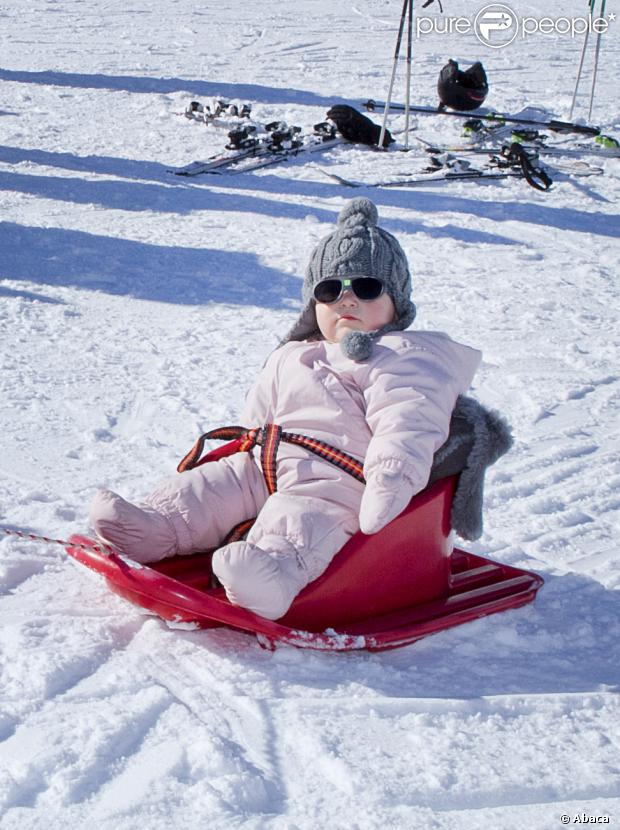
{"x":357,"y":248}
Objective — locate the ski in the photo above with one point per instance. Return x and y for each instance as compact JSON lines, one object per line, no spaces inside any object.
{"x":552,"y":124}
{"x":196,"y":168}
{"x":541,"y":149}
{"x":431,"y":178}
{"x":497,"y":155}
{"x":261,"y":155}
{"x":246,"y":141}
{"x":512,"y":157}
{"x":270,"y":157}
{"x":511,"y":161}
{"x":466,"y":175}
{"x":578,"y":168}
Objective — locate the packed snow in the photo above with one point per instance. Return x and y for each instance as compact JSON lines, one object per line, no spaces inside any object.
{"x":136,"y":308}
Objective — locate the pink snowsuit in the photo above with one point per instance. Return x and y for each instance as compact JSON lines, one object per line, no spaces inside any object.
{"x":391,"y":411}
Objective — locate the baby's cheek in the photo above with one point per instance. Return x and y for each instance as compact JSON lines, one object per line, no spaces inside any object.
{"x":382,"y":312}
{"x":326,"y":321}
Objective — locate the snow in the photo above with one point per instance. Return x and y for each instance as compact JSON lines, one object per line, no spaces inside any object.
{"x":135,"y":310}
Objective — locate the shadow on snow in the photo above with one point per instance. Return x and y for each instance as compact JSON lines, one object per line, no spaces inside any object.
{"x":165,"y":86}
{"x":566,"y":641}
{"x":166,"y":193}
{"x":192,"y":276}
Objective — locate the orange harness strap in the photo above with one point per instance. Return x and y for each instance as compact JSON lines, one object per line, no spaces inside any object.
{"x":268,"y":438}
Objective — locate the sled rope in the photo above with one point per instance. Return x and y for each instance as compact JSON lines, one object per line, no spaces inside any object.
{"x":269,"y":439}
{"x":32,"y":537}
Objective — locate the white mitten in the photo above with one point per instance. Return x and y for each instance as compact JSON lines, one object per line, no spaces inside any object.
{"x":385,"y":497}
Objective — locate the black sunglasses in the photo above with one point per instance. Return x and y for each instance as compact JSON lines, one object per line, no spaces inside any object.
{"x":364,"y":288}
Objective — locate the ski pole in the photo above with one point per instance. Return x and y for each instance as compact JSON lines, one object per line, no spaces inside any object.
{"x":408,"y":93}
{"x":396,"y":53}
{"x":583,"y":55}
{"x":596,"y":57}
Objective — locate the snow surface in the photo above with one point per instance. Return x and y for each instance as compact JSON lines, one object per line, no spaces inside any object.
{"x":135,"y":310}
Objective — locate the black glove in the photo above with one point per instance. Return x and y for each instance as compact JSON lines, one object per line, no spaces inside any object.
{"x":357,"y":127}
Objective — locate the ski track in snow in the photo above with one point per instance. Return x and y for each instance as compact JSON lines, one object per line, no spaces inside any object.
{"x":135,"y":310}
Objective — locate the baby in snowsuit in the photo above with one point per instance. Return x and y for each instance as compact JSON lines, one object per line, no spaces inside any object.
{"x":347,"y":374}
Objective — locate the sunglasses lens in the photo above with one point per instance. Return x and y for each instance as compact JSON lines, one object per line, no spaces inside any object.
{"x":364,"y":288}
{"x":367,"y":288}
{"x":327,"y":291}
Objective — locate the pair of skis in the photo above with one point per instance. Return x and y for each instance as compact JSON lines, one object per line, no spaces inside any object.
{"x":449,"y":171}
{"x":509,"y":161}
{"x":262,"y":154}
{"x":431,"y":178}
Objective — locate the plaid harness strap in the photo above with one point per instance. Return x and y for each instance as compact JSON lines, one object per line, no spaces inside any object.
{"x":269,"y":439}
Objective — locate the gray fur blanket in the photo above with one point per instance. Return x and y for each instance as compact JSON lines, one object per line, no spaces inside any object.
{"x":478,"y":437}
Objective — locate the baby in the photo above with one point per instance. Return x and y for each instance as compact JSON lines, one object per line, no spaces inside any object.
{"x":348,"y":375}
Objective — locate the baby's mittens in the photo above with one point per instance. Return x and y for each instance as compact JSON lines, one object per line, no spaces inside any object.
{"x":386,"y":495}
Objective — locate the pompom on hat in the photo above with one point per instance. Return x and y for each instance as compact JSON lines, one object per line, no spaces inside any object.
{"x":357,"y":248}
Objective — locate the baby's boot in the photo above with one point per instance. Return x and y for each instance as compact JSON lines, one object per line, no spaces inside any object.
{"x":265,"y":583}
{"x":140,"y":533}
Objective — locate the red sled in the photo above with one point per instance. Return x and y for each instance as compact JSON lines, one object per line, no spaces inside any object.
{"x":381,"y":591}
